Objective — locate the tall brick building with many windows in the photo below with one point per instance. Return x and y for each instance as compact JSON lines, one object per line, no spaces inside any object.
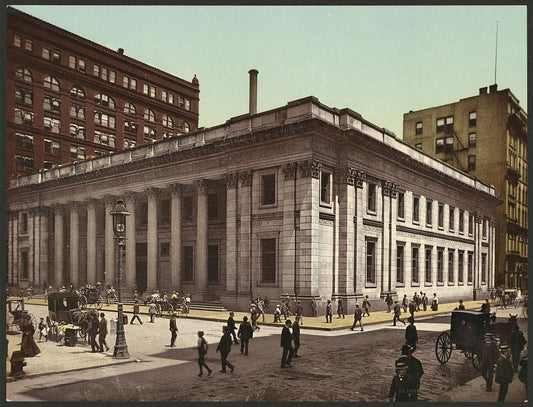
{"x":486,"y":136}
{"x":69,"y":98}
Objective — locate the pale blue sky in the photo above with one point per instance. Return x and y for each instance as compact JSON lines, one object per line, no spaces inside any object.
{"x":379,"y":61}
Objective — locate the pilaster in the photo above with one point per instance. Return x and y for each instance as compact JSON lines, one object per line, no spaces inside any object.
{"x":110,"y":246}
{"x":201,"y":240}
{"x":175,"y":235}
{"x":152,"y":240}
{"x":74,"y":239}
{"x":92,"y":277}
{"x":58,"y":245}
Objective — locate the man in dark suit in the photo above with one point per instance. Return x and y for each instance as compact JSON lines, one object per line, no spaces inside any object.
{"x":245,"y":333}
{"x":224,"y":347}
{"x":102,"y":332}
{"x":286,"y":344}
{"x":296,"y":336}
{"x":231,"y":327}
{"x":173,"y":330}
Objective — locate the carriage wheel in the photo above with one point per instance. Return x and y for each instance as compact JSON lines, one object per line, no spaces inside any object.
{"x":443,"y":347}
{"x":476,"y":355}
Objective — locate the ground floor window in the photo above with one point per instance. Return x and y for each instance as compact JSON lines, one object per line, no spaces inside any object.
{"x":450,"y":265}
{"x":483,"y":268}
{"x":268,"y":260}
{"x":414,"y":265}
{"x":371,"y":261}
{"x":460,"y":266}
{"x":399,"y":264}
{"x":427,"y":270}
{"x":440,"y":266}
{"x":187,"y":265}
{"x":470,"y":266}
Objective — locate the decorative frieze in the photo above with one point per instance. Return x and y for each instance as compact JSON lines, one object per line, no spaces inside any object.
{"x":310,"y":168}
{"x":289,"y":170}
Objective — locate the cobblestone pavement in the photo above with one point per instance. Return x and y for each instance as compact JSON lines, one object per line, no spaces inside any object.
{"x":334,"y":366}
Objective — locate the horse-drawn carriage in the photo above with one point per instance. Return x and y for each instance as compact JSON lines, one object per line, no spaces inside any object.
{"x":64,"y":308}
{"x":16,"y":314}
{"x":466,"y":334}
{"x":90,"y":295}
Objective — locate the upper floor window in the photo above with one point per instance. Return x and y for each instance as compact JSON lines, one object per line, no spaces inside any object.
{"x":371,"y":197}
{"x":212,"y":205}
{"x":167,"y":121}
{"x":185,"y":103}
{"x":429,"y":212}
{"x":445,"y":123}
{"x":51,"y":83}
{"x":104,"y":74}
{"x":23,"y":117}
{"x":149,"y":90}
{"x":23,"y":74}
{"x":77,"y":111}
{"x":471,"y":162}
{"x":52,"y":124}
{"x":401,"y":205}
{"x":149,"y":115}
{"x":24,"y":141}
{"x":77,"y":92}
{"x":17,"y":42}
{"x":439,"y":145}
{"x":185,"y":127}
{"x":167,"y":97}
{"x":130,"y":126}
{"x":461,"y":221}
{"x":449,"y":144}
{"x":23,"y":163}
{"x":96,"y":70}
{"x":77,"y":131}
{"x":441,"y":216}
{"x":28,"y":45}
{"x":418,"y":145}
{"x":52,"y":147}
{"x":418,"y":128}
{"x":24,"y":96}
{"x":129,"y":143}
{"x":129,"y":108}
{"x":150,"y":132}
{"x":104,"y":119}
{"x":128,"y":82}
{"x":451,"y":224}
{"x":77,"y":152}
{"x":470,"y":224}
{"x":104,"y":100}
{"x":52,"y":104}
{"x":268,"y":189}
{"x":416,"y":208}
{"x":74,"y":62}
{"x":325,"y":187}
{"x":112,"y":76}
{"x":471,"y":139}
{"x":472,"y":119}
{"x":105,"y":139}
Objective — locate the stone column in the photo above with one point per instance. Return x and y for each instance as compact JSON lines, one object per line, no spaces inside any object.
{"x":33,"y":229}
{"x":130,"y":271}
{"x":346,"y":231}
{"x":151,"y":238}
{"x":58,"y":246}
{"x":201,"y":240}
{"x":245,"y":205}
{"x":288,"y":273}
{"x":44,"y":250}
{"x":92,"y":277}
{"x":232,"y":245}
{"x":13,"y":249}
{"x":390,"y":209}
{"x":360,"y":260}
{"x":175,"y":236}
{"x":74,"y":239}
{"x":109,"y":238}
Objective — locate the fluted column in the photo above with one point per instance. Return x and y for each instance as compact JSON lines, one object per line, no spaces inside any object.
{"x":131,"y":233}
{"x":58,"y":245}
{"x":175,"y":236}
{"x":151,"y":263}
{"x":201,"y":240}
{"x":74,"y":239}
{"x":109,"y":263}
{"x":92,"y":277}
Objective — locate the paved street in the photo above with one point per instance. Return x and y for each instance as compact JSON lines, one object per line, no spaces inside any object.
{"x":338,"y":365}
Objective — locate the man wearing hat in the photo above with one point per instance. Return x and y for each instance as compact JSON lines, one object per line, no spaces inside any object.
{"x":286,"y":344}
{"x":173,"y":329}
{"x":504,"y":371}
{"x":231,"y":327}
{"x":403,"y":387}
{"x":246,"y":333}
{"x":414,"y":366}
{"x":366,"y":306}
{"x":299,"y":311}
{"x":102,"y":332}
{"x":489,"y":357}
{"x":411,"y":335}
{"x":224,"y":347}
{"x":357,"y":316}
{"x":397,"y":313}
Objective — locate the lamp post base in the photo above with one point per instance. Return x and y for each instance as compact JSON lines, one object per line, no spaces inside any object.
{"x":121,"y":347}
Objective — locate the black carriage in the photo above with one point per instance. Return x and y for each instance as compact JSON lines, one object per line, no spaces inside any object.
{"x":466,"y":334}
{"x":65,"y":308}
{"x":90,"y":295}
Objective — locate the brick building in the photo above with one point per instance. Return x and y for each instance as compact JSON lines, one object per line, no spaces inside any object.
{"x":69,"y":98}
{"x":485,"y":136}
{"x":303,"y":200}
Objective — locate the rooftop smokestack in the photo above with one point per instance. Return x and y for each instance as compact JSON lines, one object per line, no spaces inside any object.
{"x":253,"y":90}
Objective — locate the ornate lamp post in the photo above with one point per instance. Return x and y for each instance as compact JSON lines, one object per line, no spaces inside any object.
{"x":119,"y":214}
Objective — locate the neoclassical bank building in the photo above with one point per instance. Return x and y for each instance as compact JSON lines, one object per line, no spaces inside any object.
{"x":303,"y":200}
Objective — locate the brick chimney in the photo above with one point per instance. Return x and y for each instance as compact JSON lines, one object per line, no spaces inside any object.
{"x":253,"y":90}
{"x":493,"y":88}
{"x":483,"y":90}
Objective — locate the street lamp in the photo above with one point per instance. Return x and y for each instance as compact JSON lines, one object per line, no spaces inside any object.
{"x":119,"y":214}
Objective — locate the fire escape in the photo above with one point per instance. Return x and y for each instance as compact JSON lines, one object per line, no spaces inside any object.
{"x":454,"y":148}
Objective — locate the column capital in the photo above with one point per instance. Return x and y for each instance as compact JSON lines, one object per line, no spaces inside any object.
{"x":491,"y":222}
{"x":176,"y":190}
{"x":202,"y":186}
{"x":152,"y":192}
{"x":360,"y":178}
{"x":289,"y":170}
{"x":232,"y":179}
{"x":389,"y":188}
{"x":347,"y":175}
{"x":43,"y":210}
{"x":246,"y":178}
{"x":110,"y":199}
{"x":478,"y":217}
{"x":58,"y":207}
{"x":310,"y":168}
{"x":131,"y":195}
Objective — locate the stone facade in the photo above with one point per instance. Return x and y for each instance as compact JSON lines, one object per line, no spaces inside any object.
{"x":486,"y":137}
{"x":304,"y":200}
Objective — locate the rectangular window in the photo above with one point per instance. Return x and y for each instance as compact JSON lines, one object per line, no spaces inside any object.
{"x":56,"y":56}
{"x":17,"y":42}
{"x":52,"y":147}
{"x":451,"y":225}
{"x":484,"y":228}
{"x":72,"y":61}
{"x":449,"y":144}
{"x":268,"y":260}
{"x":164,"y":212}
{"x":49,"y":165}
{"x":28,"y":45}
{"x":24,"y":141}
{"x":399,"y":264}
{"x":46,"y":52}
{"x":77,"y":111}
{"x":371,"y":261}
{"x":472,"y":119}
{"x":470,"y":265}
{"x":440,"y":265}
{"x":187,"y":265}
{"x":429,"y":212}
{"x":77,"y":152}
{"x":268,"y":189}
{"x":24,"y":96}
{"x":440,"y":124}
{"x":142,"y":219}
{"x":212,"y":263}
{"x":471,"y":140}
{"x":130,"y":126}
{"x":150,"y":132}
{"x":371,"y":197}
{"x":112,"y":76}
{"x":418,"y":145}
{"x":325,"y":188}
{"x":24,"y":266}
{"x":427,"y":271}
{"x":51,"y":104}
{"x":104,"y":74}
{"x":483,"y":268}
{"x":23,"y":163}
{"x":125,"y":81}
{"x":460,"y":266}
{"x":77,"y":131}
{"x":441,"y":216}
{"x":416,"y":208}
{"x":96,"y":70}
{"x":439,"y":145}
{"x":450,"y":265}
{"x":401,"y":205}
{"x":212,"y":206}
{"x":418,"y":128}
{"x":81,"y":65}
{"x":24,"y":223}
{"x":461,"y":221}
{"x":133,"y":84}
{"x":51,"y":124}
{"x":187,"y":208}
{"x":414,"y":265}
{"x":23,"y":117}
{"x":470,"y":224}
{"x":471,"y":163}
